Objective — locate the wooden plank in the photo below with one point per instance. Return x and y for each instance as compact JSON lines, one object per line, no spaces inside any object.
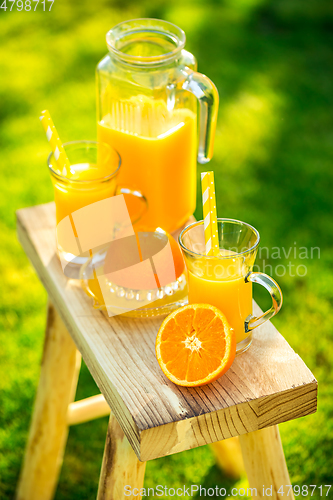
{"x":87,"y":409}
{"x":265,"y":464}
{"x":49,"y":428}
{"x":228,"y":456}
{"x":266,"y":385}
{"x":122,"y":474}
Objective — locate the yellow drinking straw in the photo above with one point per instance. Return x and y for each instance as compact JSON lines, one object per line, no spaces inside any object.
{"x":209,"y":213}
{"x":55,"y":143}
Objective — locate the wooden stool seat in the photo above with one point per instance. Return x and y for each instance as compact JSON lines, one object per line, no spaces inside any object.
{"x":265,"y":386}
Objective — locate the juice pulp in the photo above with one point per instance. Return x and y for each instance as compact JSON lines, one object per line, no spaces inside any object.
{"x":70,"y":196}
{"x":158,"y":151}
{"x":221,"y":283}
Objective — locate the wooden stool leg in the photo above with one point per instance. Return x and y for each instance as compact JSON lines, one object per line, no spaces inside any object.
{"x":49,"y":428}
{"x":120,"y":467}
{"x":228,"y":456}
{"x":265,"y":464}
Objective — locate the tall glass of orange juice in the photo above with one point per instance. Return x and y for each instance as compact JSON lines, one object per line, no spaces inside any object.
{"x":92,"y":177}
{"x":225,"y":280}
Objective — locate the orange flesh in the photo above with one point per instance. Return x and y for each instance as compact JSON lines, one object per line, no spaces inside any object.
{"x":195,"y":345}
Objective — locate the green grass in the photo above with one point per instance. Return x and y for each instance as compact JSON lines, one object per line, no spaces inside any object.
{"x":272,"y":63}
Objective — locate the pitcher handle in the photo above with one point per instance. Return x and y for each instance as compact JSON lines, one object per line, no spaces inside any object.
{"x":206,"y":93}
{"x":275,"y":291}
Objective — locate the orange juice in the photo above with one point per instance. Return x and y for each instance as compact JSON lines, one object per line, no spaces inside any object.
{"x":158,"y":154}
{"x":71,"y":195}
{"x":221,"y":283}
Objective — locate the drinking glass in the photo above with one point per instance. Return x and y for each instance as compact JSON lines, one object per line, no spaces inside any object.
{"x":225,"y":281}
{"x":92,"y":178}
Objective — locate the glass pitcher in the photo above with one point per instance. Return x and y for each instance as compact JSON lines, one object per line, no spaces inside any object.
{"x":147,"y":110}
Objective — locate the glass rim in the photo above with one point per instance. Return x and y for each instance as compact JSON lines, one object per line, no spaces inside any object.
{"x":84,"y":181}
{"x":174,"y":30}
{"x":224,"y":257}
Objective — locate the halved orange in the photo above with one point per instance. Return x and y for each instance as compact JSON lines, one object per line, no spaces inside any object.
{"x":195,"y":345}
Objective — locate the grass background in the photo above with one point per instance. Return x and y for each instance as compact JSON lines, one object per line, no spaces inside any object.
{"x":272,"y":63}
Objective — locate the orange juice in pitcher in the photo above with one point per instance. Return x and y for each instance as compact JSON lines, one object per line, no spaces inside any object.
{"x":147,"y":110}
{"x":161,"y":161}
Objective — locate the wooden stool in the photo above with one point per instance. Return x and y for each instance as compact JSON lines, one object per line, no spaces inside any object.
{"x":150,"y":415}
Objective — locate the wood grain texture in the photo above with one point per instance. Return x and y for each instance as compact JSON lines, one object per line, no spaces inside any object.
{"x":266,"y":385}
{"x":120,"y":467}
{"x":265,"y":464}
{"x":48,"y":431}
